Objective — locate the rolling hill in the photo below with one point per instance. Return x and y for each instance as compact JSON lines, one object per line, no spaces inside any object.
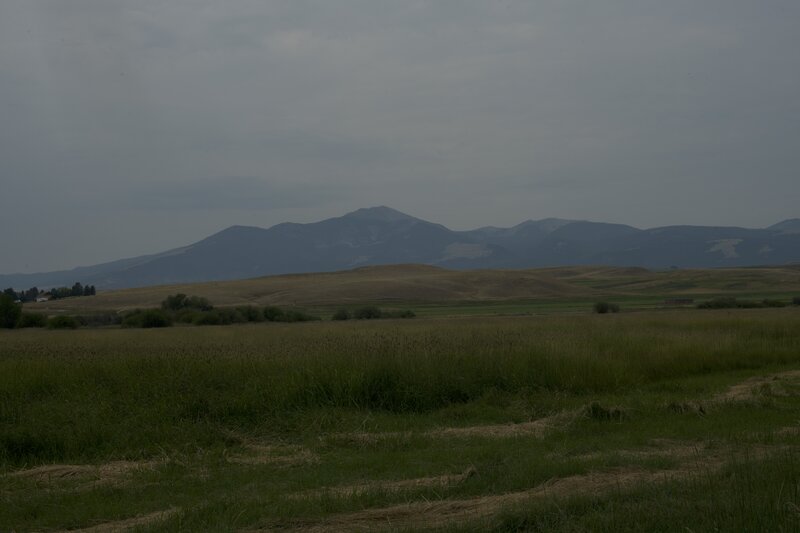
{"x":402,"y":285}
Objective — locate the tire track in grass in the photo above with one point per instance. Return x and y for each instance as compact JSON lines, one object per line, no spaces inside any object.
{"x":127,"y":524}
{"x":432,"y":514}
{"x":536,"y":428}
{"x":387,"y":486}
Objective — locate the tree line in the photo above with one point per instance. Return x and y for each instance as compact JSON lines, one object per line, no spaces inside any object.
{"x":32,"y":294}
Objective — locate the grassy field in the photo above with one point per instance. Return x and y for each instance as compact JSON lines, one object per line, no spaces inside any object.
{"x":440,"y":292}
{"x":682,"y":420}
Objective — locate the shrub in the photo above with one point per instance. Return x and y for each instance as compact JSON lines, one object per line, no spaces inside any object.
{"x":298,"y":316}
{"x":606,"y":307}
{"x":32,"y":320}
{"x":179,"y":301}
{"x":147,"y":318}
{"x":9,"y":311}
{"x":62,"y":322}
{"x":273,"y":314}
{"x":404,"y":313}
{"x":719,"y":303}
{"x":209,"y":318}
{"x":796,"y":300}
{"x":367,"y":313}
{"x":341,"y":314}
{"x":733,"y":303}
{"x":104,"y":319}
{"x":250,"y":313}
{"x":186,"y":315}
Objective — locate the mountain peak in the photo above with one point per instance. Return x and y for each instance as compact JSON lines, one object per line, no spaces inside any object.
{"x":379,"y":213}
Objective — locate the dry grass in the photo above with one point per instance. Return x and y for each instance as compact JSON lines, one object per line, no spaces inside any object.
{"x":427,"y":284}
{"x":114,"y":474}
{"x":773,"y":384}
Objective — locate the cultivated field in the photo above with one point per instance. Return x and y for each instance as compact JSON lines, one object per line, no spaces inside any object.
{"x":684,"y":420}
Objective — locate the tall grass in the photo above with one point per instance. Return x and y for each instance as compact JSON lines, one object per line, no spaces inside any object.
{"x":83,"y":394}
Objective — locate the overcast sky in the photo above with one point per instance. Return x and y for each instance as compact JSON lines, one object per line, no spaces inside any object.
{"x":130,"y":127}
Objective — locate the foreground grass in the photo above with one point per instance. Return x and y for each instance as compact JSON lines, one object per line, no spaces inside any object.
{"x":261,"y":426}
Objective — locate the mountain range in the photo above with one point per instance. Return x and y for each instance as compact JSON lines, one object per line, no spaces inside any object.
{"x":381,"y":235}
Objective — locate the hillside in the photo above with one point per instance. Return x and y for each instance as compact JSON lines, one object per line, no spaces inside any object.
{"x":422,"y":284}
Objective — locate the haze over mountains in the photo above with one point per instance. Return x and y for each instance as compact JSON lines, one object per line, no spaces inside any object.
{"x":381,"y":235}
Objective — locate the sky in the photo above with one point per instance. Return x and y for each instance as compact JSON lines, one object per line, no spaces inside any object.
{"x":134,"y":127}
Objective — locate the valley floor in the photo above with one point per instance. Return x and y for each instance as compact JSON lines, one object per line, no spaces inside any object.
{"x":668,"y":421}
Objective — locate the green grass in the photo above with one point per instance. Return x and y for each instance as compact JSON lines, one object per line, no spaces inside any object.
{"x":189,"y":399}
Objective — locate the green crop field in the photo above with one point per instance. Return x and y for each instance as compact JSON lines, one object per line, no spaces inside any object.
{"x":681,"y":420}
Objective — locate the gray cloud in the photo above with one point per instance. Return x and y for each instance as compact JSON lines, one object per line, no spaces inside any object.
{"x":124,"y":115}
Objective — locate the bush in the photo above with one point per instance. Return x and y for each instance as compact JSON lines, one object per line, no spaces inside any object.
{"x":298,"y":316}
{"x":719,"y":303}
{"x":32,"y":320}
{"x":273,"y":314}
{"x":404,"y":313}
{"x":219,"y":317}
{"x":147,"y":318}
{"x":186,"y":315}
{"x":341,"y":314}
{"x":250,"y":313}
{"x":796,"y":300}
{"x":179,"y":301}
{"x":9,"y":311}
{"x":367,"y":313}
{"x":606,"y":307}
{"x":99,"y":320}
{"x":62,"y":322}
{"x":733,"y":303}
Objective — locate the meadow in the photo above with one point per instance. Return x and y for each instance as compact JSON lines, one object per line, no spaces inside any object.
{"x":654,"y":420}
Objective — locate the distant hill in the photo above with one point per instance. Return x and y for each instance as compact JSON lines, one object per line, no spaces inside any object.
{"x":384,"y":236}
{"x":401,"y":285}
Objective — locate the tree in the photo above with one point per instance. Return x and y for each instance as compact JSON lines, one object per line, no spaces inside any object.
{"x":9,"y":311}
{"x":77,"y":289}
{"x":31,"y":295}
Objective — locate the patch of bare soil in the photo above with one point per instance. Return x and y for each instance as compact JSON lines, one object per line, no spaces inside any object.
{"x":109,"y":474}
{"x":773,"y":384}
{"x":389,"y":486}
{"x":129,"y":523}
